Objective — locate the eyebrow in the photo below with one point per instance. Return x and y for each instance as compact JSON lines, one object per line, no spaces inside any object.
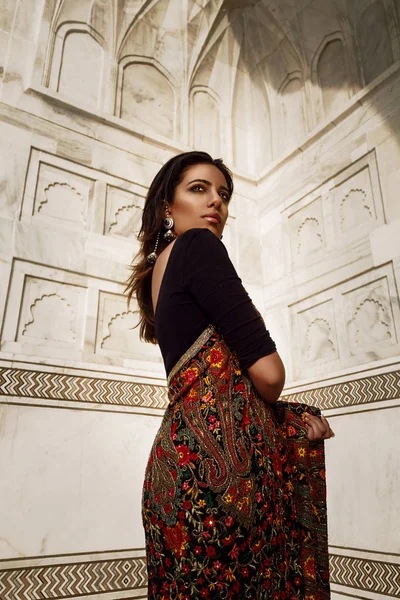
{"x":222,"y":187}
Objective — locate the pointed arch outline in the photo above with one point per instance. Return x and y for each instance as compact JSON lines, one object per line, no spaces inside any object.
{"x":263,"y":88}
{"x":147,"y":60}
{"x":55,"y":53}
{"x":317,"y":98}
{"x":205,"y":89}
{"x":293,"y":76}
{"x":390,"y":16}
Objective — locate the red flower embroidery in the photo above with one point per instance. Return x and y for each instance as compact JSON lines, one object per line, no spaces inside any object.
{"x":185,"y":455}
{"x":210,"y":522}
{"x":310,"y":568}
{"x":191,"y":375}
{"x":176,"y":538}
{"x":216,"y":356}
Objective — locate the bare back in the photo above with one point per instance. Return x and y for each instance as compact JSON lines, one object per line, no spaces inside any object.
{"x":158,"y":273}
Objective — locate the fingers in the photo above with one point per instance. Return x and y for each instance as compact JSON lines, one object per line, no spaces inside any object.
{"x":317,"y":428}
{"x":325,"y":421}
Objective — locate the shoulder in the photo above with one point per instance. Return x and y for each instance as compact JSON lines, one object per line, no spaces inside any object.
{"x":204,"y":250}
{"x":201,"y":243}
{"x":199,"y":236}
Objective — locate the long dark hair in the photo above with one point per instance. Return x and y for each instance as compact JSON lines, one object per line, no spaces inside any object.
{"x":162,"y":188}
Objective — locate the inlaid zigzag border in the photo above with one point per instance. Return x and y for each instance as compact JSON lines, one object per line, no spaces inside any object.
{"x":369,"y":575}
{"x":76,"y":388}
{"x":59,"y":581}
{"x":57,"y":386}
{"x":72,"y":580}
{"x":385,"y":386}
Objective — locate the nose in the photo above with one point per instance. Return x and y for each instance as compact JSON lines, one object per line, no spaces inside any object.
{"x":215,"y":198}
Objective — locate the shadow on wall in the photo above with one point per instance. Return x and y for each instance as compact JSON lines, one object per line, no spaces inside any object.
{"x":249,"y":79}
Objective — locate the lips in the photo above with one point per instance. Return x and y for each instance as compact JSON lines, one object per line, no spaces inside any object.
{"x":215,"y":216}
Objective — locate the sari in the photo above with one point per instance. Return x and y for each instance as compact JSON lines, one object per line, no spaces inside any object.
{"x":234,"y":496}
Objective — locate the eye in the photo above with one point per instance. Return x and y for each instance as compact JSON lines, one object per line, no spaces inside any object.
{"x":225,"y":196}
{"x":197,"y":188}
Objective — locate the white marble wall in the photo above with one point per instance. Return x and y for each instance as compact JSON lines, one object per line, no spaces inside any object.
{"x":95,"y":96}
{"x":330,"y":230}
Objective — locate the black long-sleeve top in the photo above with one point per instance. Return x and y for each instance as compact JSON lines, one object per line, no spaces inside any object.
{"x":200,"y":286}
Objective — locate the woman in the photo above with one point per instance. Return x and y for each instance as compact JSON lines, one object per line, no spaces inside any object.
{"x":234,"y":493}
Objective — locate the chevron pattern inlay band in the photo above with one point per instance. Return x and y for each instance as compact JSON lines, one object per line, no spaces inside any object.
{"x":57,"y":386}
{"x":66,"y":581}
{"x":56,"y":582}
{"x":385,"y":386}
{"x":369,"y":575}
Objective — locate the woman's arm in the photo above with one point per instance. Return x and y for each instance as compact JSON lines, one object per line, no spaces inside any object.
{"x":268,"y":375}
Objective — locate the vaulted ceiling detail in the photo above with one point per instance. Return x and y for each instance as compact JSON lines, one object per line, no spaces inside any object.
{"x":262,"y":73}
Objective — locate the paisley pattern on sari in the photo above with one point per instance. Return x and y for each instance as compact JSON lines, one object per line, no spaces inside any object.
{"x":234,"y":497}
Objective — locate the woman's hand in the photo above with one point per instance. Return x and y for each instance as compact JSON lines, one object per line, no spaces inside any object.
{"x":318,"y":428}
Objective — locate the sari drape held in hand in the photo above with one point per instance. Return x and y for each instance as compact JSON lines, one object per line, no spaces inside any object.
{"x":234,"y":497}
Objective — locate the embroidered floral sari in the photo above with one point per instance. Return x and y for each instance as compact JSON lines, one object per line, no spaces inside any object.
{"x":234,"y":502}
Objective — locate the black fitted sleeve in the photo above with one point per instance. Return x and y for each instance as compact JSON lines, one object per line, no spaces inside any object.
{"x":214,"y":283}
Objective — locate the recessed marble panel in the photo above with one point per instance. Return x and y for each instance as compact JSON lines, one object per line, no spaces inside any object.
{"x":80,"y":198}
{"x":369,"y":315}
{"x":62,"y":195}
{"x":123,"y":212}
{"x":352,"y":323}
{"x":45,"y":312}
{"x":118,"y":330}
{"x":335,"y":219}
{"x":51,"y":314}
{"x":317,"y":336}
{"x":307,"y":231}
{"x":354,"y":206}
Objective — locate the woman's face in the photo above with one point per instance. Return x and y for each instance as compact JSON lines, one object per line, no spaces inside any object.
{"x":203,"y":191}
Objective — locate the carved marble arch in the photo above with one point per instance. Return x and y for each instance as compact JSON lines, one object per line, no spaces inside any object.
{"x":146,"y":95}
{"x":77,"y":65}
{"x":205,"y":120}
{"x":332,"y":76}
{"x":293,"y":102}
{"x":374,"y":40}
{"x":251,"y":118}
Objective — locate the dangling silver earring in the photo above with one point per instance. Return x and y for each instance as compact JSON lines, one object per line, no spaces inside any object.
{"x":152,"y":257}
{"x":168,"y":224}
{"x":169,"y":235}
